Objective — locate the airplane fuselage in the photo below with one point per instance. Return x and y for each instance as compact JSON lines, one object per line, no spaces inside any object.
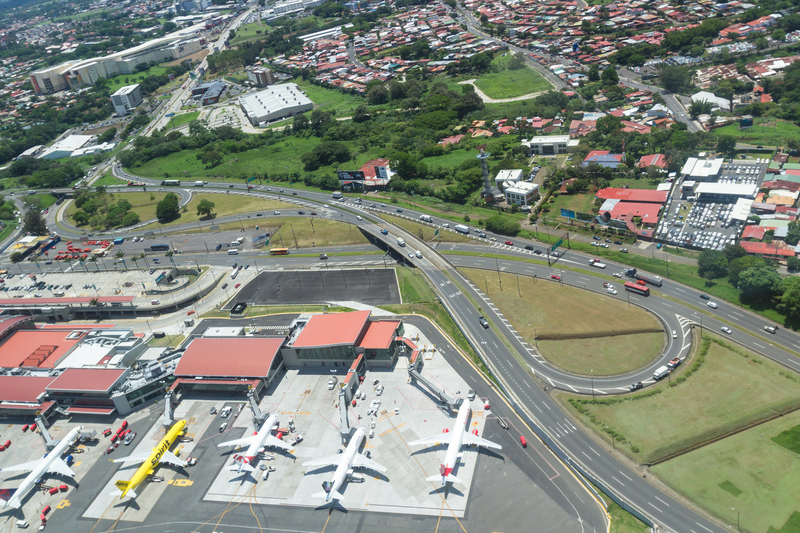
{"x":41,"y":468}
{"x":261,"y":437}
{"x":152,"y":462}
{"x":349,"y":454}
{"x":454,"y":448}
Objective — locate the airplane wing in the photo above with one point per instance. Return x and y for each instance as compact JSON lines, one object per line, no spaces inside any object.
{"x":363,"y":462}
{"x":60,"y":467}
{"x":469,"y":438}
{"x":169,"y":458}
{"x":277,"y":443}
{"x":443,"y":438}
{"x":333,"y":460}
{"x":23,"y":467}
{"x":136,"y":458}
{"x":246,"y":441}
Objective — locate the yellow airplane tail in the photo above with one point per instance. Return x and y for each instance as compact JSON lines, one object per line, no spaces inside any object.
{"x":122,"y":485}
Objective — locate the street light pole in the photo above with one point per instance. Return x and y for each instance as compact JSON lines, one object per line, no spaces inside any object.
{"x":592,"y":378}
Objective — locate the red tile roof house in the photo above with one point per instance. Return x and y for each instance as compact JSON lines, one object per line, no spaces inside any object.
{"x":655,"y":160}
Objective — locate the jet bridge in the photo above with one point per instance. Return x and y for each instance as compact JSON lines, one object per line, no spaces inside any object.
{"x":344,"y":428}
{"x":444,"y":398}
{"x":258,"y":416}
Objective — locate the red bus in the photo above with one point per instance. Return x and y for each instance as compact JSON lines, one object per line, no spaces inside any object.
{"x":638,"y":289}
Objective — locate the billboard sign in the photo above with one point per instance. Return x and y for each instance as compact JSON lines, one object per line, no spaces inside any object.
{"x":350,"y":175}
{"x":604,"y":220}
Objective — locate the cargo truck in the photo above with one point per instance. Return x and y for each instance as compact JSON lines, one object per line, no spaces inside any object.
{"x":400,"y":241}
{"x":425,"y":218}
{"x":462,"y":228}
{"x":597,"y":264}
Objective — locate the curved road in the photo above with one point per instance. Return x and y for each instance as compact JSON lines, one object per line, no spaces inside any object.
{"x":675,"y":304}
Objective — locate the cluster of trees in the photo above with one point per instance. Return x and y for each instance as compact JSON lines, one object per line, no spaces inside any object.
{"x":326,"y":153}
{"x":99,"y":210}
{"x":36,"y":173}
{"x":169,"y":208}
{"x":246,"y":53}
{"x":223,"y":140}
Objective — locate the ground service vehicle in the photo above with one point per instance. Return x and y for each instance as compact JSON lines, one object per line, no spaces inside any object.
{"x":638,"y":289}
{"x":462,"y":228}
{"x":171,"y":183}
{"x":279,"y":251}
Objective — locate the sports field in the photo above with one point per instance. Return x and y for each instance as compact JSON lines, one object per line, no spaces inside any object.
{"x":748,"y":472}
{"x":545,"y":309}
{"x":728,"y":388}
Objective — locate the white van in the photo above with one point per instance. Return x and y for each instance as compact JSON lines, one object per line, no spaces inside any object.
{"x":22,"y":524}
{"x":418,"y":254}
{"x":233,"y":251}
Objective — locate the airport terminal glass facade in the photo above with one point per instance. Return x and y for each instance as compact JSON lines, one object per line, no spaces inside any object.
{"x":328,"y":353}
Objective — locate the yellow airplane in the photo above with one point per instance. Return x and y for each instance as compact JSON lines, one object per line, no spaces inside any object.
{"x":159,"y":454}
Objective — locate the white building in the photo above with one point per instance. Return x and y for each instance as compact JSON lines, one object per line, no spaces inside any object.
{"x":503,"y":176}
{"x":716,"y":101}
{"x":275,"y":102}
{"x":126,"y":99}
{"x":725,"y":192}
{"x":522,"y":194}
{"x":702,"y":170}
{"x":551,"y":144}
{"x":66,"y":146}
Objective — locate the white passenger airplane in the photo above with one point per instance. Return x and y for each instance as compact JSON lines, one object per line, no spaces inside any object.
{"x":460,"y":436}
{"x":255,"y":443}
{"x":51,"y":463}
{"x":345,"y":462}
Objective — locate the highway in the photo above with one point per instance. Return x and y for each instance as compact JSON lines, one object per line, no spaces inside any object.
{"x":676,"y":305}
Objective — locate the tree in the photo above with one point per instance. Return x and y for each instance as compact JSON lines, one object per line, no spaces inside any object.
{"x":610,"y":76}
{"x":739,"y":265}
{"x":712,"y":264}
{"x":793,"y":234}
{"x":793,"y":264}
{"x":377,"y":95}
{"x":361,"y":113}
{"x":594,"y":73}
{"x":727,"y":144}
{"x":674,"y":78}
{"x":790,"y":299}
{"x":16,"y":257}
{"x":211,"y":158}
{"x":167,"y":209}
{"x":779,"y":35}
{"x":300,"y":123}
{"x":759,"y":283}
{"x":609,"y":125}
{"x":734,"y":251}
{"x":516,"y":62}
{"x":33,"y":222}
{"x":205,"y":207}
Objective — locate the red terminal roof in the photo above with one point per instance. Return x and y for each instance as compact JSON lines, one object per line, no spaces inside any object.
{"x":23,"y":388}
{"x":633,"y":195}
{"x":86,"y":380}
{"x":35,"y":348}
{"x":332,"y":330}
{"x":16,"y":302}
{"x":379,"y":334}
{"x":229,"y":357}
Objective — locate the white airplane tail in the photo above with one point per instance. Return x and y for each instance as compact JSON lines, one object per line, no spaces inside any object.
{"x":240,"y":466}
{"x":131,"y":493}
{"x":449,"y":478}
{"x":12,"y":502}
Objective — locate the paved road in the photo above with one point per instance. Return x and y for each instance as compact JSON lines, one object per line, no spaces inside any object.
{"x":665,"y":510}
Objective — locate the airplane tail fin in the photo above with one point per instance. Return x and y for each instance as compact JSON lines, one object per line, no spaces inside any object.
{"x":240,"y":467}
{"x":320,"y":495}
{"x":9,"y":498}
{"x":449,"y":478}
{"x":122,"y":485}
{"x":123,"y":489}
{"x":335,"y":495}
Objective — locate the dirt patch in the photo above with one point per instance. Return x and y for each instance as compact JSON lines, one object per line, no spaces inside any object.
{"x":196,"y":57}
{"x":98,"y":131}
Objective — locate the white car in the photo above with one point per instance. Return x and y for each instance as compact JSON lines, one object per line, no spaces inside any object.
{"x":612,"y":291}
{"x":726,"y":330}
{"x":359,"y":217}
{"x":596,"y":244}
{"x":712,"y":305}
{"x":617,"y":275}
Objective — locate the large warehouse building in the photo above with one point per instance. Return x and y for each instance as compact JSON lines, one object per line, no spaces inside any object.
{"x":274,"y":103}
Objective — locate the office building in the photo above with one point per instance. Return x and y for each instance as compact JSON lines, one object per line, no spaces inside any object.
{"x":126,"y":99}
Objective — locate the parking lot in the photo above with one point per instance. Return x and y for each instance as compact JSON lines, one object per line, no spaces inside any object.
{"x":79,"y":283}
{"x":707,"y":224}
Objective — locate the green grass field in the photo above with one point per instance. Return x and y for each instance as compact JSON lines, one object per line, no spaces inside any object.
{"x":332,"y":100}
{"x":247,"y":32}
{"x":511,"y":83}
{"x":108,"y":180}
{"x":280,"y":158}
{"x":748,"y":472}
{"x":45,"y":200}
{"x":634,"y":184}
{"x":426,"y":233}
{"x":117,"y":82}
{"x":729,"y":389}
{"x":185,"y":118}
{"x":413,"y":287}
{"x":298,"y":232}
{"x":227,"y":204}
{"x":766,"y":131}
{"x":548,"y":309}
{"x":577,"y":202}
{"x":142,"y":204}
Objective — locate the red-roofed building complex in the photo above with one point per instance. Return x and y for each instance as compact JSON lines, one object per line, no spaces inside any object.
{"x":655,"y":160}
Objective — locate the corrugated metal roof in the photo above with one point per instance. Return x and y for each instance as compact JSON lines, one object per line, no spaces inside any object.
{"x":332,"y":329}
{"x":86,"y":379}
{"x":379,"y":334}
{"x":229,"y":357}
{"x":22,"y":388}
